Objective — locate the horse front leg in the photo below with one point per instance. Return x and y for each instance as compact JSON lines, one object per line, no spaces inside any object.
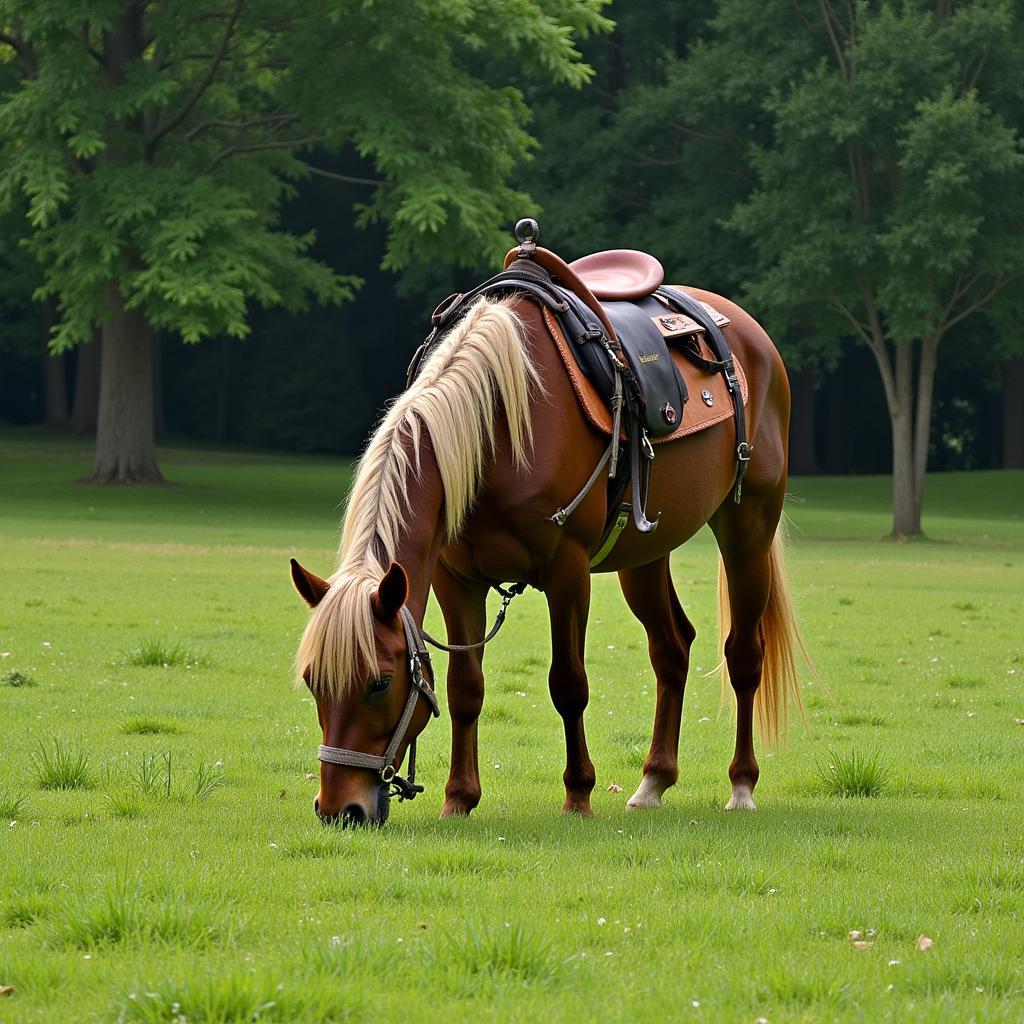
{"x":652,"y":599}
{"x":568,"y":595}
{"x":464,"y":606}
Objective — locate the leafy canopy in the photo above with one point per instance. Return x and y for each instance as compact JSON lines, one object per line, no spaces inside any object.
{"x":151,"y":144}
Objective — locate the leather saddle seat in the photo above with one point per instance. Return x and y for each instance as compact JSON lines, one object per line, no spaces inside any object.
{"x":619,"y":275}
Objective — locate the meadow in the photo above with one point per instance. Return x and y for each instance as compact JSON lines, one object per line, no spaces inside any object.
{"x":160,"y":861}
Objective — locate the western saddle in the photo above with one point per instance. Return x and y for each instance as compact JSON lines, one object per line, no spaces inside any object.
{"x":618,"y":315}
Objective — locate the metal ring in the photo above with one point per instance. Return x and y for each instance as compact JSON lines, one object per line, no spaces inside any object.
{"x":387,"y":773}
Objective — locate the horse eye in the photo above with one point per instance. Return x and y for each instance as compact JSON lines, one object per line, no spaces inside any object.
{"x":379,"y":686}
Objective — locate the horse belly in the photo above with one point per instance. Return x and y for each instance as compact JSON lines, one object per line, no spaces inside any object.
{"x":690,"y":479}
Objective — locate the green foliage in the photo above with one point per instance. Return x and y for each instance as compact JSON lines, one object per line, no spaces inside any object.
{"x":150,"y":146}
{"x":890,"y":194}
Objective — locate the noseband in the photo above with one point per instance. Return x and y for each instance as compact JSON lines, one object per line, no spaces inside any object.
{"x":384,"y":765}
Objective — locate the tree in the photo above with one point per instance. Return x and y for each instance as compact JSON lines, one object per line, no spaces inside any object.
{"x":153,"y":142}
{"x":890,"y":201}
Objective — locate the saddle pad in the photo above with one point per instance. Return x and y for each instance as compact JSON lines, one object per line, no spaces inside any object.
{"x":709,"y":402}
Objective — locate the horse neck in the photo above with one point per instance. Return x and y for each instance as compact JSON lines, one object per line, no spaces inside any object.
{"x":420,"y":543}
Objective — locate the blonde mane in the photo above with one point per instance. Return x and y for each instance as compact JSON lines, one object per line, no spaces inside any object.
{"x":482,"y":361}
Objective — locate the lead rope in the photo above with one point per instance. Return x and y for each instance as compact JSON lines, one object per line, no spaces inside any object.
{"x":507,"y":594}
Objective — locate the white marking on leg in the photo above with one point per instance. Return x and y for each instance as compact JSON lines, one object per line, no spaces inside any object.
{"x":742,"y":799}
{"x":647,"y":796}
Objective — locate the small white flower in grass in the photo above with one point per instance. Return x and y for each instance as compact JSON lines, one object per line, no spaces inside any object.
{"x":894,"y":963}
{"x":46,"y":643}
{"x":610,"y":647}
{"x":497,"y":765}
{"x":609,"y":953}
{"x":87,"y":956}
{"x":601,"y":921}
{"x":695,"y":1003}
{"x":520,"y":693}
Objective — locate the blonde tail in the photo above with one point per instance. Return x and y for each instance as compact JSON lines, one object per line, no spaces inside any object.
{"x":780,"y":683}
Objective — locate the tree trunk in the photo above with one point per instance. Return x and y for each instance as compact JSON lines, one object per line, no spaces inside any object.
{"x":911,"y":434}
{"x":1013,"y":414}
{"x":125,"y":450}
{"x":86,"y":403}
{"x":159,"y":422}
{"x":803,"y":425}
{"x":906,"y":511}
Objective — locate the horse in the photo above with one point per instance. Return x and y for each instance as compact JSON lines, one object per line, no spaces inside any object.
{"x":454,"y":491}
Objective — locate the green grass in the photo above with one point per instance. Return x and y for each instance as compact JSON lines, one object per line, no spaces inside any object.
{"x":219,"y":898}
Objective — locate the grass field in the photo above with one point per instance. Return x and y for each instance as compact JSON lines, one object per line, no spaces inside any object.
{"x":145,"y":646}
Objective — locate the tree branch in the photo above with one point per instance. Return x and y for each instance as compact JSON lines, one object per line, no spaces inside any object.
{"x":24,"y":52}
{"x":837,"y":48}
{"x":274,"y":120}
{"x":255,"y":147}
{"x":204,"y":83}
{"x":347,"y":178}
{"x":980,"y":303}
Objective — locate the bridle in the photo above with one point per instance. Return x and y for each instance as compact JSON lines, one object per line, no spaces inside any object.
{"x":384,"y":764}
{"x":405,"y":788}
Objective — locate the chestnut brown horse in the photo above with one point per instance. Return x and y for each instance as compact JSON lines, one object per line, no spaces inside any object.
{"x":455,"y":490}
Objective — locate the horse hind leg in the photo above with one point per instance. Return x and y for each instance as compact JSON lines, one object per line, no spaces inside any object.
{"x":652,"y":599}
{"x":757,"y":598}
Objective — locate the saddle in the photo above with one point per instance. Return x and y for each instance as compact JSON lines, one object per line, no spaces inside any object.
{"x":634,"y":349}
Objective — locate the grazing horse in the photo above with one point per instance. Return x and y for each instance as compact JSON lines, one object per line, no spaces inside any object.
{"x":455,"y":490}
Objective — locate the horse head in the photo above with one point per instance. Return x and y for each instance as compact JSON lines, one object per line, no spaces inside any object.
{"x":367,"y":694}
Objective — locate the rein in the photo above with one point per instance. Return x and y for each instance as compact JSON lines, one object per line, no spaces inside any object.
{"x":405,"y":787}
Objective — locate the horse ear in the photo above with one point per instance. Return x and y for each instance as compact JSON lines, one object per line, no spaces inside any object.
{"x":310,"y":587}
{"x":392,"y":592}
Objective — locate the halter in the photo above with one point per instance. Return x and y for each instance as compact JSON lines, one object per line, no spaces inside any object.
{"x":384,"y":764}
{"x":416,"y":649}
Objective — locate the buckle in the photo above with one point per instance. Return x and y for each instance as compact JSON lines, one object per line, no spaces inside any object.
{"x":743,"y":451}
{"x":387,"y":773}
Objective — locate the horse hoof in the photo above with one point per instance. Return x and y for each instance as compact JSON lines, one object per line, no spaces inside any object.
{"x":454,"y":809}
{"x":647,"y":797}
{"x":741,"y":799}
{"x":576,"y":807}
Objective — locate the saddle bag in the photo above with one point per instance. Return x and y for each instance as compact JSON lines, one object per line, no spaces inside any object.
{"x":647,"y":356}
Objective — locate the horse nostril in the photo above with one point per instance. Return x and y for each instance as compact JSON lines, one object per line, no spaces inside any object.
{"x":353,"y":815}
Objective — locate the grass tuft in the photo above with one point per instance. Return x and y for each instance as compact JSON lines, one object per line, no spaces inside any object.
{"x":12,"y":804}
{"x":144,"y":725}
{"x":238,"y":998}
{"x":126,"y":803}
{"x":23,"y":911}
{"x":161,"y":654}
{"x":123,"y":916}
{"x":502,"y":951}
{"x":854,"y":774}
{"x":15,"y":677}
{"x":62,"y":767}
